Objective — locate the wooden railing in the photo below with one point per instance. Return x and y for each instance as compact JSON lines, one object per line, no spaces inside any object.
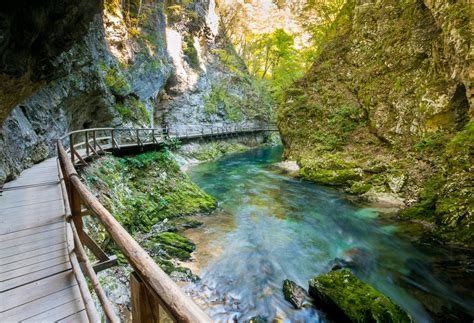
{"x":154,"y":295}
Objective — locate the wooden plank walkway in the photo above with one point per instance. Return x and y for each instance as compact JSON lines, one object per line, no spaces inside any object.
{"x":37,"y":283}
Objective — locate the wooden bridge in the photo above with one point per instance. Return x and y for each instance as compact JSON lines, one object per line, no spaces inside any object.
{"x":45,"y":273}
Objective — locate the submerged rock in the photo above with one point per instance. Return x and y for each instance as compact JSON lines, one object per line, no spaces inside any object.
{"x":343,"y":294}
{"x":293,"y":293}
{"x":257,"y":319}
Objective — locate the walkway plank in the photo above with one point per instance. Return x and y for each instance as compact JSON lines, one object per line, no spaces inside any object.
{"x":32,"y":253}
{"x":37,"y":283}
{"x":78,"y":317}
{"x":30,"y":231}
{"x":33,"y":237}
{"x":34,"y":276}
{"x":36,"y":260}
{"x":42,"y":305}
{"x":62,"y":311}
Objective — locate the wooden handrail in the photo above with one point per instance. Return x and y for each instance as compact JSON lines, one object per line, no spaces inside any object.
{"x":151,"y":285}
{"x":178,"y":304}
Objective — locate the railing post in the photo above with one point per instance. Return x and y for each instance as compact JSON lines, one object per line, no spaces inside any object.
{"x":113,"y":138}
{"x":145,"y":306}
{"x":95,"y":141}
{"x":76,"y":209}
{"x":71,"y":148}
{"x":86,"y":135}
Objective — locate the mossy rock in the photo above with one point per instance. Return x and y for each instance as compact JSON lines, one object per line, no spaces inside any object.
{"x":336,"y":177}
{"x":145,"y":189}
{"x":171,"y":245}
{"x":360,"y":187}
{"x":257,"y":319}
{"x":175,"y":240}
{"x":347,"y":296}
{"x":293,"y":293}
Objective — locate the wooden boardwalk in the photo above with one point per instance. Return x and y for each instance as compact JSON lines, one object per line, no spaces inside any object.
{"x":37,"y":283}
{"x":42,"y":257}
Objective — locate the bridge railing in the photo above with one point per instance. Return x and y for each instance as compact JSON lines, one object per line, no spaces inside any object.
{"x":87,"y":143}
{"x":154,"y":295}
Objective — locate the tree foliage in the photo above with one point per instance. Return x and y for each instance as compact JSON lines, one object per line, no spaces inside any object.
{"x":278,"y":42}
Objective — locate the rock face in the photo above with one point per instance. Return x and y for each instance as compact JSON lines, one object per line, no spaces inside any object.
{"x":384,"y":105}
{"x":345,"y":296}
{"x":293,"y":293}
{"x":32,"y":36}
{"x":82,"y":65}
{"x":210,"y":84}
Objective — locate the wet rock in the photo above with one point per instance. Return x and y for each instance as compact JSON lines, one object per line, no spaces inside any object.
{"x":257,"y":319}
{"x":385,"y":199}
{"x":355,"y":258}
{"x":345,"y":296}
{"x":183,"y":276}
{"x":293,"y":293}
{"x":289,"y":167}
{"x":396,"y":182}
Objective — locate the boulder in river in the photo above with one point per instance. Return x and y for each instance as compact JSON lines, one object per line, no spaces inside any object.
{"x":293,"y":293}
{"x":257,"y":319}
{"x":344,"y":295}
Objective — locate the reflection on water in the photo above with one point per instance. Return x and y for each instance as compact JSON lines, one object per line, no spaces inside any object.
{"x":270,"y":227}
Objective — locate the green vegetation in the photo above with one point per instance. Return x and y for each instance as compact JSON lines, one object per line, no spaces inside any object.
{"x":190,"y":51}
{"x":172,"y":244}
{"x":115,"y":80}
{"x":132,"y":109}
{"x":220,"y":97}
{"x":215,"y":150}
{"x":390,"y":118}
{"x":354,"y":299}
{"x":240,"y":95}
{"x":142,"y":191}
{"x":447,"y":197}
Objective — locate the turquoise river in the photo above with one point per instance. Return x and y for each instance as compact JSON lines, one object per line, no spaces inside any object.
{"x":270,"y":227}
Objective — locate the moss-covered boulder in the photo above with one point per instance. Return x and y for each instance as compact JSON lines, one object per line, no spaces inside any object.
{"x":293,"y":293}
{"x":330,"y":169}
{"x":345,"y":295}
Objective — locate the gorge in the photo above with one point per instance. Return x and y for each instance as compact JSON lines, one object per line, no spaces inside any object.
{"x":373,"y":101}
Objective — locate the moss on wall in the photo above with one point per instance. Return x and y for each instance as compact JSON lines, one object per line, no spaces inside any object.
{"x":143,"y":191}
{"x":376,"y":112}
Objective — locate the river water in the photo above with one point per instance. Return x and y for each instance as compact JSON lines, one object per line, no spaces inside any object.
{"x":270,"y":227}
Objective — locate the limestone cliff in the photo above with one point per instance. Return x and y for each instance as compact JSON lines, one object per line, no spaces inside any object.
{"x":74,"y":66}
{"x":386,"y":110}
